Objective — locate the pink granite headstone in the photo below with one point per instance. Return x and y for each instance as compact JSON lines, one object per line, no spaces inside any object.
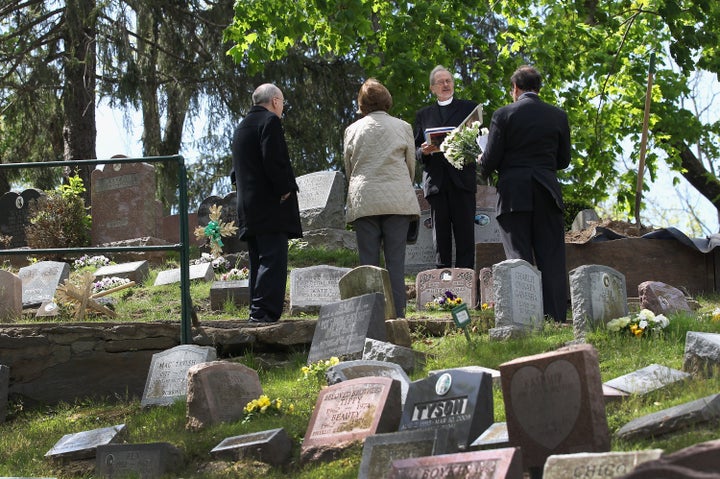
{"x":661,"y":298}
{"x":123,"y":203}
{"x":348,"y":412}
{"x":554,"y":404}
{"x":434,"y":283}
{"x":503,"y":463}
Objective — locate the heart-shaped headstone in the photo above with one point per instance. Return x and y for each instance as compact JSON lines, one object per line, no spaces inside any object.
{"x":546,"y":403}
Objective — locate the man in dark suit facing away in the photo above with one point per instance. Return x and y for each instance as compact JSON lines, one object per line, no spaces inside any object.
{"x":267,"y":203}
{"x":450,"y":191}
{"x":528,"y":142}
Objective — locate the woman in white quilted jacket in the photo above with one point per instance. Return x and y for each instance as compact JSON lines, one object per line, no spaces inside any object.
{"x":379,"y":158}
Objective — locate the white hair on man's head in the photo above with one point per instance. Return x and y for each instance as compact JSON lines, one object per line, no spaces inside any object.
{"x":265,"y":93}
{"x":437,"y":70}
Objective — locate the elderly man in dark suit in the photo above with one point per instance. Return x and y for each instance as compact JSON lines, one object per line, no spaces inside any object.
{"x":267,"y":204}
{"x":529,"y":140}
{"x":450,"y":191}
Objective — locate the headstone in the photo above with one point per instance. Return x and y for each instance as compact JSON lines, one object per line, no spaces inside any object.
{"x":167,"y":379}
{"x":435,"y":282}
{"x":420,"y":256}
{"x":518,"y":299}
{"x":123,"y":202}
{"x":235,"y":291}
{"x":380,"y":450}
{"x":702,"y":354}
{"x":136,"y":271}
{"x":148,"y":461}
{"x":554,"y":404}
{"x":699,"y":461}
{"x":603,"y":464}
{"x":48,"y":309}
{"x":40,"y":280}
{"x":598,"y":294}
{"x":231,"y":244}
{"x":322,"y":200}
{"x":10,"y":297}
{"x":487,"y":228}
{"x":83,"y":445}
{"x":398,"y":332}
{"x":15,"y":215}
{"x":584,"y":219}
{"x":313,"y":287}
{"x":661,"y":298}
{"x":362,"y":368}
{"x":4,"y":391}
{"x":202,"y":271}
{"x":348,"y":412}
{"x":218,"y":391}
{"x":503,"y":463}
{"x":487,"y":293}
{"x":681,"y":417}
{"x":368,"y":279}
{"x":456,"y":399}
{"x":494,"y":437}
{"x":494,"y":373}
{"x":272,"y":446}
{"x":647,"y":379}
{"x":408,"y":359}
{"x":342,"y":327}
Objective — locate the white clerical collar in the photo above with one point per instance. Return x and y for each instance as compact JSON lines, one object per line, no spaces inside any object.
{"x":445,"y":102}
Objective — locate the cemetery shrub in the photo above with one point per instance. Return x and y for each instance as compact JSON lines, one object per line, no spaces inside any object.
{"x":59,"y":219}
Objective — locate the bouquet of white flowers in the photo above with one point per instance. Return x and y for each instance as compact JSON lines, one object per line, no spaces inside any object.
{"x":461,"y":146}
{"x":643,"y":323}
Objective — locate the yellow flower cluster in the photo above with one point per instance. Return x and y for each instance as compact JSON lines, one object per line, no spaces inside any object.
{"x":316,"y":371}
{"x":263,"y":405}
{"x":715,"y":315}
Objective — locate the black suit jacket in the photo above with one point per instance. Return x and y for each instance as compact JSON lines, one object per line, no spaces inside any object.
{"x":438,"y":174}
{"x":528,"y":140}
{"x":263,"y":174}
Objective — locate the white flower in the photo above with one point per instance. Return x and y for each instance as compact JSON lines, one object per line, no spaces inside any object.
{"x":646,"y":314}
{"x":643,"y":324}
{"x":662,"y":321}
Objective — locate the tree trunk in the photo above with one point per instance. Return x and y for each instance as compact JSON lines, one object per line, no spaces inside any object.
{"x":79,"y":130}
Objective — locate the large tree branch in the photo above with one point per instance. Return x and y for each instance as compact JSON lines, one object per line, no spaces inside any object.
{"x":702,"y":180}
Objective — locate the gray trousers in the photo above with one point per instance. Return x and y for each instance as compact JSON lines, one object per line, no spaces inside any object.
{"x":390,"y":232}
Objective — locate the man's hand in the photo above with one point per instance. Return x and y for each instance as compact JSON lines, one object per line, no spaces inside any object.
{"x":285,"y":196}
{"x":429,"y":149}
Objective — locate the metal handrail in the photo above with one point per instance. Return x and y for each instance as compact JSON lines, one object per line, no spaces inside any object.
{"x":183,"y":247}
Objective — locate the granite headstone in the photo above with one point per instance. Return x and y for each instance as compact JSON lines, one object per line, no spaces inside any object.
{"x":218,"y":391}
{"x":380,"y":450}
{"x":136,"y":271}
{"x":348,"y":412}
{"x":83,"y":445}
{"x":518,"y":298}
{"x":15,"y":211}
{"x":40,"y":280}
{"x":368,"y":279}
{"x":167,"y":379}
{"x":314,"y":286}
{"x":647,"y":379}
{"x":342,"y":327}
{"x":235,"y":291}
{"x":146,"y":461}
{"x":272,"y":446}
{"x":362,"y":368}
{"x":434,"y":283}
{"x":123,"y":203}
{"x":702,"y":354}
{"x":598,"y":294}
{"x":554,"y":404}
{"x":589,"y":465}
{"x":322,"y":200}
{"x":10,"y":297}
{"x":661,"y":298}
{"x":459,"y":400}
{"x":202,"y":271}
{"x":503,"y":463}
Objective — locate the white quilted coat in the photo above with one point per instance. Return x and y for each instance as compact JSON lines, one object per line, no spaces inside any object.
{"x":379,"y":155}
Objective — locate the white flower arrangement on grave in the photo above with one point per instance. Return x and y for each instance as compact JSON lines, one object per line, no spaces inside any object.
{"x":641,"y":324}
{"x":460,"y":145}
{"x":107,"y":283}
{"x":236,"y":274}
{"x":93,"y":261}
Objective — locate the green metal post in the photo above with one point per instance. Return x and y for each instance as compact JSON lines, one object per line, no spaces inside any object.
{"x":186,"y":300}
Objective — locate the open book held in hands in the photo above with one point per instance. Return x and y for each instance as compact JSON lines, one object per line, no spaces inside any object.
{"x":435,"y":136}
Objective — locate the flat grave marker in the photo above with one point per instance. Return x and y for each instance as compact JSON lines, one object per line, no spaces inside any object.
{"x":167,"y":379}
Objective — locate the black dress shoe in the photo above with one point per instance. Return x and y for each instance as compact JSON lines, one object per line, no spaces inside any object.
{"x":263,"y":319}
